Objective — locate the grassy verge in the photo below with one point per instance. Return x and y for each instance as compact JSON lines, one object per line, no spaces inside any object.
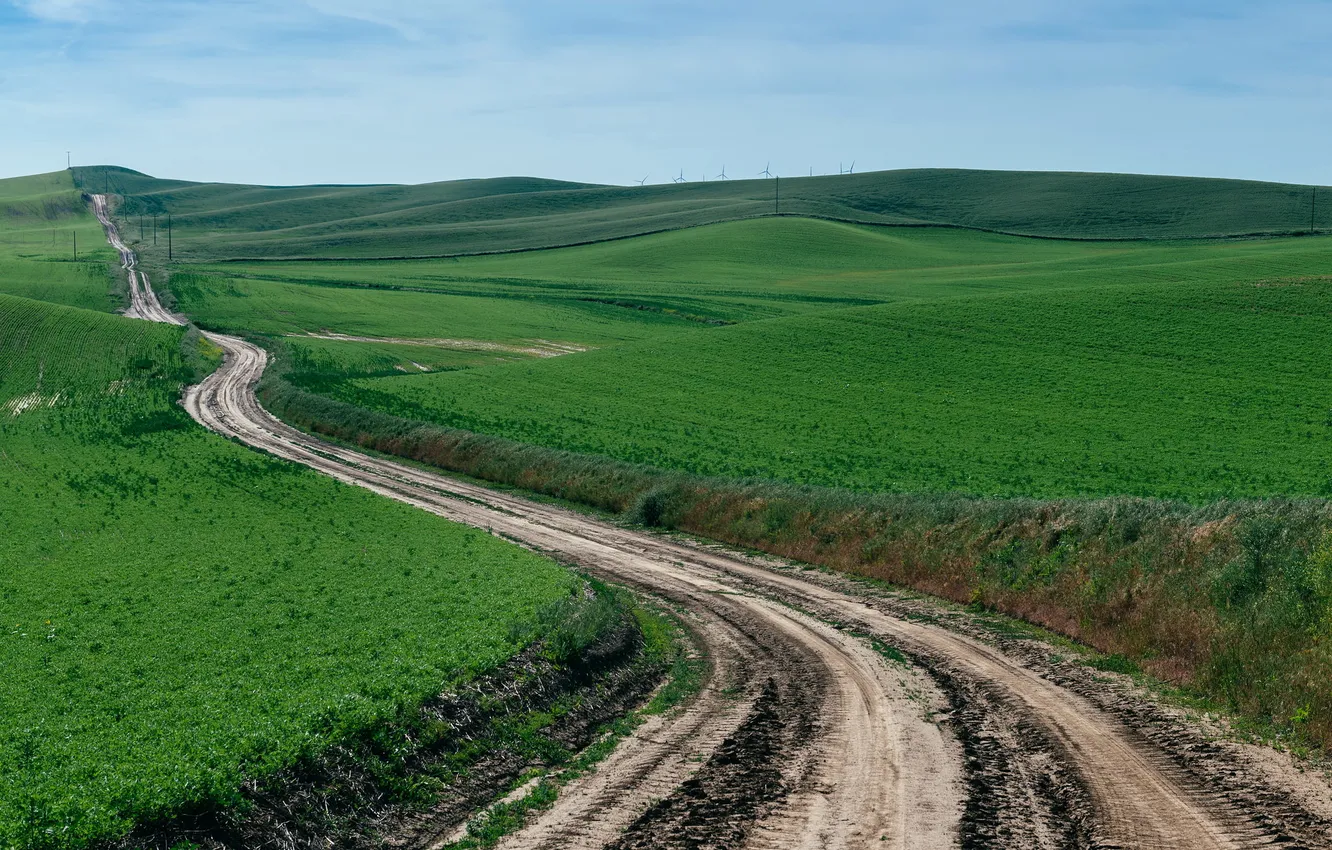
{"x":1232,"y":599}
{"x":592,"y":656}
{"x":663,"y":648}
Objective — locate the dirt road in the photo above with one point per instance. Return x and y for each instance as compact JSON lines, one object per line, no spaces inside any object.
{"x":808,"y":735}
{"x":143,"y":302}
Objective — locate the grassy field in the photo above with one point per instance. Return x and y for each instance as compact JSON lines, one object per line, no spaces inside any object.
{"x":735,"y":272}
{"x":40,"y":218}
{"x":179,"y":613}
{"x":325,"y":359}
{"x":218,"y":221}
{"x":272,"y":307}
{"x":984,"y":364}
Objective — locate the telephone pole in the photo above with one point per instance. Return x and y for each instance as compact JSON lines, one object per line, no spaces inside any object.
{"x":168,"y":238}
{"x":1313,"y":208}
{"x":154,"y":230}
{"x":76,"y":246}
{"x":777,"y":202}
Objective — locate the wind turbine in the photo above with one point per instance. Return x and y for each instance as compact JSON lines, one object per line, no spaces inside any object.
{"x":722,"y":176}
{"x":852,"y":169}
{"x":765,"y":171}
{"x":681,"y":178}
{"x":644,"y":180}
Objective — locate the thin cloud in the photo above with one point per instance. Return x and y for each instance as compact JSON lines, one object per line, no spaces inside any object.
{"x":62,"y":11}
{"x":342,"y":90}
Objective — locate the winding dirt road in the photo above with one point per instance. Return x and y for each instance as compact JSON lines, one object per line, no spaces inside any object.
{"x":806,"y":735}
{"x":143,"y":301}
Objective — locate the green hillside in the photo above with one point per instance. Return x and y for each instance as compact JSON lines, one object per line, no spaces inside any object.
{"x":738,"y":271}
{"x":41,"y":217}
{"x":217,"y":221}
{"x":180,"y":614}
{"x":986,"y":364}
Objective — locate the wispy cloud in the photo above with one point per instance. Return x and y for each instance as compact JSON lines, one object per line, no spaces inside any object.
{"x":324,"y":90}
{"x":62,"y":11}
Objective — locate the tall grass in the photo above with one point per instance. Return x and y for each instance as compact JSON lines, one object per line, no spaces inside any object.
{"x":1232,"y":598}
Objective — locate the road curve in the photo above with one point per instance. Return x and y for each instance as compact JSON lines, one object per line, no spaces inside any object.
{"x":143,"y":301}
{"x":865,"y":753}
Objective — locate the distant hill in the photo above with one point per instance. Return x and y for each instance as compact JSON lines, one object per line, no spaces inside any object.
{"x":223,"y":221}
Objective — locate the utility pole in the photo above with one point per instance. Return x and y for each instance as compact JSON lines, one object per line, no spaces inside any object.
{"x":76,"y":246}
{"x":106,"y":183}
{"x":154,"y":230}
{"x":777,"y":202}
{"x":67,"y":168}
{"x":1313,"y":208}
{"x":168,"y":237}
{"x":140,"y":228}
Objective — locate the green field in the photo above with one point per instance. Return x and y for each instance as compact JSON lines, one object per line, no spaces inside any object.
{"x":880,"y":360}
{"x":220,"y":221}
{"x":180,"y":613}
{"x":41,"y":217}
{"x":732,"y":272}
{"x":187,"y":613}
{"x":1191,"y":391}
{"x":229,"y":303}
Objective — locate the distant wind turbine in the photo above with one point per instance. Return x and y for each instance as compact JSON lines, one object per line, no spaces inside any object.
{"x":722,"y":176}
{"x":852,"y":169}
{"x":644,"y":180}
{"x":681,"y":178}
{"x":765,"y":172}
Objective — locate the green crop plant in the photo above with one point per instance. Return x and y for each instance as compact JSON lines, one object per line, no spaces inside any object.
{"x":41,"y":219}
{"x":179,"y":615}
{"x":1194,"y":390}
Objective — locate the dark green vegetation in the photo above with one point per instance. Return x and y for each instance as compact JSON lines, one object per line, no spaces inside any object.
{"x":218,"y":221}
{"x":40,"y":219}
{"x":180,"y":614}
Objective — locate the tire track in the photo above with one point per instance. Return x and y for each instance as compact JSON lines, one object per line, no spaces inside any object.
{"x":850,"y":739}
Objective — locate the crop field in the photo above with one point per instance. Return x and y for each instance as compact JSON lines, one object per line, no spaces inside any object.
{"x":889,"y":361}
{"x":217,"y":221}
{"x":40,"y":218}
{"x":339,"y":358}
{"x":1191,"y":391}
{"x":179,"y":613}
{"x":734,"y":272}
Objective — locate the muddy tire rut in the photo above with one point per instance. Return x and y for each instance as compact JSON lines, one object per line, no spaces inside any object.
{"x":889,"y":729}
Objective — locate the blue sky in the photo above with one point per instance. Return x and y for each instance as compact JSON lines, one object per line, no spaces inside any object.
{"x":349,"y":91}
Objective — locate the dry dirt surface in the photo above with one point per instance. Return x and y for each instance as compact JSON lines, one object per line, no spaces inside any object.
{"x":832,"y":718}
{"x":532,"y":348}
{"x":143,"y":302}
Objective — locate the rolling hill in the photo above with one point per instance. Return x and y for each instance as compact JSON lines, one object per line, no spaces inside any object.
{"x":221,"y":221}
